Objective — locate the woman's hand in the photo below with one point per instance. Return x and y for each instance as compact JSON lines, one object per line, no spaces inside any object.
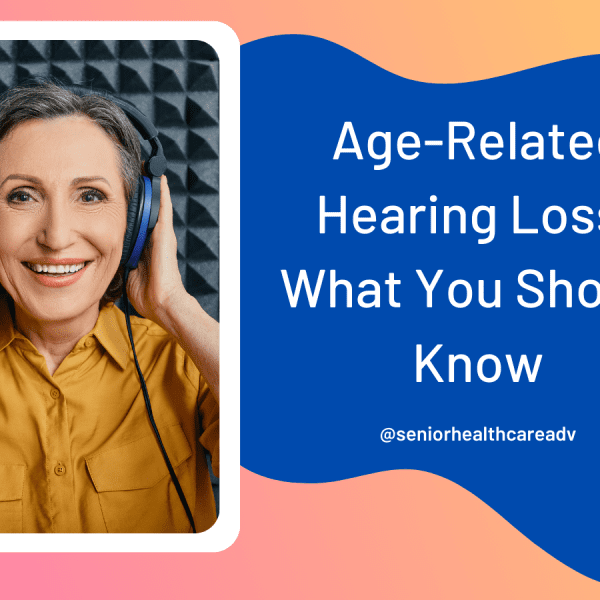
{"x":156,"y":291}
{"x":155,"y":286}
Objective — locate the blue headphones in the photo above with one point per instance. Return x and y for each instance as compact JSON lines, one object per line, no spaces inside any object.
{"x":142,"y":213}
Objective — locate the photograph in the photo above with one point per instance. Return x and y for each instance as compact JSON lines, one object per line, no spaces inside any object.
{"x":109,"y":286}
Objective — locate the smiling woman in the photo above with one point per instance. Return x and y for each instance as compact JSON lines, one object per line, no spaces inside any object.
{"x":77,"y":449}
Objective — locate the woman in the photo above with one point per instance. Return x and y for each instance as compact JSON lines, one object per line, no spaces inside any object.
{"x":77,"y":453}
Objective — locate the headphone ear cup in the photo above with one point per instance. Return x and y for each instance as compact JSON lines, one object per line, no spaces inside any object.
{"x":133,"y":221}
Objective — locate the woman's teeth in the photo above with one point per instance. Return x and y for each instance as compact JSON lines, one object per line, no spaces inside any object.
{"x":55,"y":269}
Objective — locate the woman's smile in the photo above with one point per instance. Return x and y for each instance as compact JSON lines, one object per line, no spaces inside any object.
{"x":63,"y":268}
{"x":66,"y":272}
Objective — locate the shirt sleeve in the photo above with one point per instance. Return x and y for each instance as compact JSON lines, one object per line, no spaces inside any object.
{"x":208,"y":408}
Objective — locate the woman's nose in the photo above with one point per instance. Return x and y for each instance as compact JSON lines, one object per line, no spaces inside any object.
{"x":56,"y":227}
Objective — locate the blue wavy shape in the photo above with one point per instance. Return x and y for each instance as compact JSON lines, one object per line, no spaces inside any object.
{"x":319,"y":384}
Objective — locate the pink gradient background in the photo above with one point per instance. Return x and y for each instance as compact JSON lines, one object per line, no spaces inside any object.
{"x":400,"y":534}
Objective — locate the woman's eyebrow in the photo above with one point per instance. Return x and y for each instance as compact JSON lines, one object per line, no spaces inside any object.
{"x":90,"y":179}
{"x":21,"y":177}
{"x":76,"y":181}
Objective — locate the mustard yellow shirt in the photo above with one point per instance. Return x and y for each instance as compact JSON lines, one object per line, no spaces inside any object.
{"x":77,"y":452}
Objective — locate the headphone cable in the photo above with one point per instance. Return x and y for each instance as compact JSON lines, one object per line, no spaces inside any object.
{"x":188,"y":512}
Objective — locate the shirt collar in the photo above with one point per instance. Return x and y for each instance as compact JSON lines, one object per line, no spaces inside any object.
{"x":7,"y":330}
{"x":110,"y":330}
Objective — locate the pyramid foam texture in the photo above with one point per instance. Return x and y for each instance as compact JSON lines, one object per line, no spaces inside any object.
{"x":175,"y":84}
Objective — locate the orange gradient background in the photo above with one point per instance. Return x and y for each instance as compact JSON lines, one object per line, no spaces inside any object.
{"x":400,"y":534}
{"x":428,"y":40}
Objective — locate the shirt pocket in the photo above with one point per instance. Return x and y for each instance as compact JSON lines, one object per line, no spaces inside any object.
{"x":12,"y":481}
{"x":134,"y":487}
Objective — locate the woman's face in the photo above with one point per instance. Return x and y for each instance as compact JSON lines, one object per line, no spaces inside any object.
{"x":63,"y":215}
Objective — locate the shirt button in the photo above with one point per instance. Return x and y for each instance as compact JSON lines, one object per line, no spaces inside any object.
{"x":54,"y":393}
{"x":88,"y":342}
{"x":60,"y":469}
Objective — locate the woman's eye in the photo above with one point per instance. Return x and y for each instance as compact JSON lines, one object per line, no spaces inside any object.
{"x":19,"y":197}
{"x":92,"y":196}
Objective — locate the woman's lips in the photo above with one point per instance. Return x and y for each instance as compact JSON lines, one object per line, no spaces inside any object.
{"x":55,"y":280}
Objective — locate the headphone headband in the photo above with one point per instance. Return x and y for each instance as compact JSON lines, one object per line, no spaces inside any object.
{"x":156,"y":165}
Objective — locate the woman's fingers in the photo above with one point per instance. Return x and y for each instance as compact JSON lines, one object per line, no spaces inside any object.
{"x":165,"y":215}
